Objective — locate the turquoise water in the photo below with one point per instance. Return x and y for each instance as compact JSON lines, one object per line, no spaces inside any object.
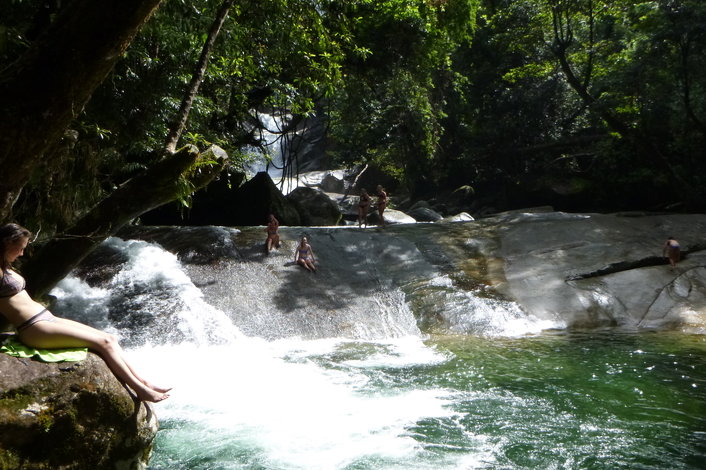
{"x":589,"y":400}
{"x":499,"y":399}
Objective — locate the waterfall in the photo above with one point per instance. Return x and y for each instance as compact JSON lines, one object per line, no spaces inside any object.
{"x":210,"y":285}
{"x":277,"y":368}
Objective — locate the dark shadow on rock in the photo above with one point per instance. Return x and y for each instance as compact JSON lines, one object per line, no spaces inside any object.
{"x":621,"y":266}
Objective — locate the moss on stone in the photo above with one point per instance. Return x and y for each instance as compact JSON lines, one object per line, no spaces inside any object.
{"x":70,"y":416}
{"x":9,"y":460}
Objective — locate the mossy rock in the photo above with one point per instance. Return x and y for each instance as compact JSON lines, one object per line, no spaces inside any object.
{"x":70,"y":416}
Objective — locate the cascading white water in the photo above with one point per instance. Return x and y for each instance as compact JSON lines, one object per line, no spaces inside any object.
{"x":154,"y":282}
{"x":240,"y":401}
{"x":283,"y":402}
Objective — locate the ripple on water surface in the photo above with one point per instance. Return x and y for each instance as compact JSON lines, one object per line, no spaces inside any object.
{"x":585,"y":400}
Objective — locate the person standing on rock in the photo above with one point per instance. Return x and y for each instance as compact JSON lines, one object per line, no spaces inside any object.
{"x":272,"y":233}
{"x":304,"y":255}
{"x":363,"y":206}
{"x":672,"y":250}
{"x":38,"y":328}
{"x":382,"y":203}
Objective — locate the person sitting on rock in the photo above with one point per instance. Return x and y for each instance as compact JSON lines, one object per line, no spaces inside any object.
{"x":672,"y":251}
{"x":38,"y":328}
{"x":272,"y":233}
{"x":304,"y":255}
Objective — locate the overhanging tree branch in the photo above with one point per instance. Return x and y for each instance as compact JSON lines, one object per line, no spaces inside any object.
{"x":156,"y":186}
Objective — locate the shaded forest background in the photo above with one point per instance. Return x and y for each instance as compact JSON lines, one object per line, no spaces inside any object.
{"x":586,"y":105}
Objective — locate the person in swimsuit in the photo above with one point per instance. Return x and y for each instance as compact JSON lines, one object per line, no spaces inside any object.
{"x":38,"y":328}
{"x":363,"y":205}
{"x":304,"y":255}
{"x":382,"y":203}
{"x":272,"y":234}
{"x":672,"y":251}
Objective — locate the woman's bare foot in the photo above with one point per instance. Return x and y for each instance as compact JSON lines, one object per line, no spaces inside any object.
{"x":151,"y":395}
{"x":155,"y":388}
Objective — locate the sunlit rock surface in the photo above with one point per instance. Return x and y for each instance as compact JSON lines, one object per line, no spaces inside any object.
{"x":594,"y":270}
{"x":514,"y":273}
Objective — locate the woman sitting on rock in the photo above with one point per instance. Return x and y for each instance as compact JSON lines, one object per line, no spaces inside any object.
{"x":38,"y":328}
{"x":304,"y":255}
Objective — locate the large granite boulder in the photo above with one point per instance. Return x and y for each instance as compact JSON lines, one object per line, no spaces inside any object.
{"x":315,"y":207}
{"x":514,"y":273}
{"x":460,"y":217}
{"x":391,"y":216}
{"x":70,"y":415}
{"x":604,"y":270}
{"x":256,"y":199}
{"x":421,"y":211}
{"x":333,"y":182}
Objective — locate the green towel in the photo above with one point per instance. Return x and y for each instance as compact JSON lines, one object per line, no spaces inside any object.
{"x":15,"y":348}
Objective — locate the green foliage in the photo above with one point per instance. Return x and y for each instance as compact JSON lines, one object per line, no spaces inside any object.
{"x":437,"y":93}
{"x":390,"y":106}
{"x":274,"y":54}
{"x":518,"y":116}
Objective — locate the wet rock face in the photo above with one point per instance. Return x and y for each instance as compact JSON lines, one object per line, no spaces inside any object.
{"x":592,"y":270}
{"x":535,"y":267}
{"x":70,"y":416}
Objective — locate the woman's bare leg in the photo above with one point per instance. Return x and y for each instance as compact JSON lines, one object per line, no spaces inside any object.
{"x":64,"y":333}
{"x":116,"y":346}
{"x":306,"y":264}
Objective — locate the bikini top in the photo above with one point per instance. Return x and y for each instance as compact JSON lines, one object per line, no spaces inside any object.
{"x":11,"y":284}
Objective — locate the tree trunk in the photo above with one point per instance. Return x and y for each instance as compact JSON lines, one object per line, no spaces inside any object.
{"x":153,"y":188}
{"x":179,"y":123}
{"x":49,"y":86}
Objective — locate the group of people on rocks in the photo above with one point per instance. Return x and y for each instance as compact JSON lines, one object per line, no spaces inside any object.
{"x":37,"y":327}
{"x":364,"y":203}
{"x":304,"y":254}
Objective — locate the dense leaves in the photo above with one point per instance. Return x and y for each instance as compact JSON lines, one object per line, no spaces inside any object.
{"x":390,"y":107}
{"x":585,"y":104}
{"x":602,"y":100}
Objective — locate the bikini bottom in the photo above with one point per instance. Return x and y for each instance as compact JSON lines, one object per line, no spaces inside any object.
{"x":44,"y":315}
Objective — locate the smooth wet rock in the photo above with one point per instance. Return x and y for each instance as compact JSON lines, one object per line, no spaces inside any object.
{"x":391,"y":216}
{"x":315,"y":207}
{"x":544,"y":253}
{"x":333,"y":183}
{"x":460,"y":217}
{"x":515,"y":273}
{"x":424,"y":214}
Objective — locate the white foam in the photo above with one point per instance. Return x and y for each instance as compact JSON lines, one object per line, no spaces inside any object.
{"x":278,"y":400}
